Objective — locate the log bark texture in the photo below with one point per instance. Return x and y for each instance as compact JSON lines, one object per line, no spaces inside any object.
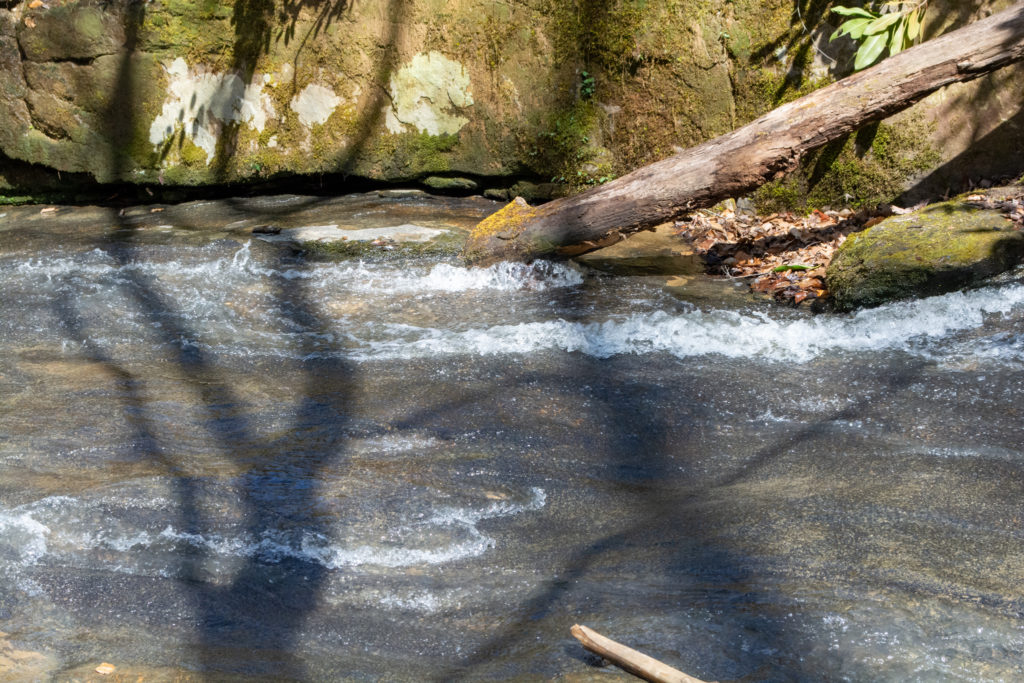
{"x":740,"y":161}
{"x":628,"y":659}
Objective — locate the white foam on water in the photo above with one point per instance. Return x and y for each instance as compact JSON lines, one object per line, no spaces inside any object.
{"x":75,"y":527}
{"x":197,"y":284}
{"x":906,"y":326}
{"x":504,"y":276}
{"x":23,"y":542}
{"x":381,"y":278}
{"x":465,"y":520}
{"x":234,"y":297}
{"x":467,"y":541}
{"x":426,"y":603}
{"x":22,"y":537}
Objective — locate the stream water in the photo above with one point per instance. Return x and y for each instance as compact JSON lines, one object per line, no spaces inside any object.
{"x":222,"y":459}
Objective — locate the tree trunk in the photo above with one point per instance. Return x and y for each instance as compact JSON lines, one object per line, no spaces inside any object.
{"x":748,"y":157}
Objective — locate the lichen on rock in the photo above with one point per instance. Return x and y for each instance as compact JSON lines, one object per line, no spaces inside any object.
{"x":200,"y":102}
{"x":504,"y":224}
{"x":541,"y":92}
{"x":427,"y":94}
{"x":315,"y":104}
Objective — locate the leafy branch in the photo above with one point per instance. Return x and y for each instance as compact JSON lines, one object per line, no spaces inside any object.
{"x":895,"y":26}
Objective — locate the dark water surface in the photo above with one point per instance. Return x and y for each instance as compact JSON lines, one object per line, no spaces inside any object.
{"x":221,"y":459}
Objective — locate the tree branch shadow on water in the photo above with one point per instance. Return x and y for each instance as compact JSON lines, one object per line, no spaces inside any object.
{"x":636,"y":440}
{"x":264,"y":604}
{"x":646,"y":460}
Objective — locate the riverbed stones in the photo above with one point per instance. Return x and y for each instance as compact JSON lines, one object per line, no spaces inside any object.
{"x":399,"y":234}
{"x":939,"y":249}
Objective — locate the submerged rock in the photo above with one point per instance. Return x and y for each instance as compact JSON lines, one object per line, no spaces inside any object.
{"x":24,"y":665}
{"x":406,"y":232}
{"x":939,"y":249}
{"x":656,"y":252}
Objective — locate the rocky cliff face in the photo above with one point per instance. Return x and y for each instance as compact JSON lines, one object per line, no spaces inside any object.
{"x":191,"y":92}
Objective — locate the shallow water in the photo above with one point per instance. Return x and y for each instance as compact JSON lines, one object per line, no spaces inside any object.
{"x":221,"y":458}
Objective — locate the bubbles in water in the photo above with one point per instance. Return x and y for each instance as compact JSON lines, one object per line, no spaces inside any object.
{"x":141,"y":535}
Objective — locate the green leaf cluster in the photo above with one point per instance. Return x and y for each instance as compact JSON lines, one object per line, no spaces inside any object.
{"x":894,"y":27}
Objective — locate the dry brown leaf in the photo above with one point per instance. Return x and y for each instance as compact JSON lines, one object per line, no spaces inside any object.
{"x":35,"y":3}
{"x":30,"y":22}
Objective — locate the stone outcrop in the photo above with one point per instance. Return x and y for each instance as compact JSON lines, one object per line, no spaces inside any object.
{"x":939,"y":249}
{"x":185,"y":92}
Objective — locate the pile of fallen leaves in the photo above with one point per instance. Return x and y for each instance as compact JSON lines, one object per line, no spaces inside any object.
{"x":783,"y":255}
{"x":1010,"y":203}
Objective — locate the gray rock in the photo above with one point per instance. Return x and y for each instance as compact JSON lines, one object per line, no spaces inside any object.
{"x":73,"y":31}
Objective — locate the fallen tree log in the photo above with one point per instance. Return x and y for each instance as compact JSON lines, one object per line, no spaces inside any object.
{"x":740,"y":161}
{"x":628,"y":659}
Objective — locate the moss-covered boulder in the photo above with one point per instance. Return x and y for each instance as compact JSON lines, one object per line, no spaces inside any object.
{"x":939,"y":249}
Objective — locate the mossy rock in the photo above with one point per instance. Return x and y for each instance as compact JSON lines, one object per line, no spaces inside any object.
{"x":939,"y":249}
{"x":76,"y":31}
{"x":457,"y":185}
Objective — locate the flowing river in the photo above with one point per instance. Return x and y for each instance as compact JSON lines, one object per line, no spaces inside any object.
{"x":222,"y":458}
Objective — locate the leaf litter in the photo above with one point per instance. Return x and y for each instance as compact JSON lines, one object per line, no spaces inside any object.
{"x":784,"y":256}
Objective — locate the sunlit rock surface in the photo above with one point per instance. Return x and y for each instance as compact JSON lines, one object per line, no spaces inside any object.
{"x":185,"y":92}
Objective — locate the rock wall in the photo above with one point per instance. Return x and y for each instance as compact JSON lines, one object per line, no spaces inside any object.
{"x":194,"y":92}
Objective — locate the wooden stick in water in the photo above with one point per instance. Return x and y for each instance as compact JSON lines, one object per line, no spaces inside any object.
{"x":628,"y":659}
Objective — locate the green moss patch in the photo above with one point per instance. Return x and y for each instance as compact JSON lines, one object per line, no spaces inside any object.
{"x":871,"y":167}
{"x":940,"y":249}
